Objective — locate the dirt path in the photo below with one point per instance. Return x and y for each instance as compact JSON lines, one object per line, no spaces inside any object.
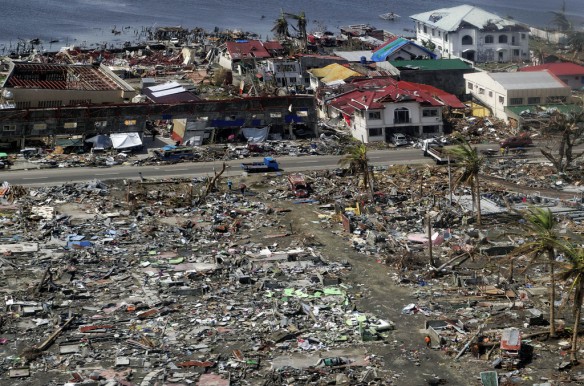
{"x":407,"y":360}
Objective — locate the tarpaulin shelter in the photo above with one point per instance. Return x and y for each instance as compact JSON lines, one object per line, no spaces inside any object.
{"x":126,"y":141}
{"x":100,"y":142}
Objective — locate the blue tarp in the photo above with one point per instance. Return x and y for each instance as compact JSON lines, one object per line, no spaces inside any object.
{"x":391,"y":47}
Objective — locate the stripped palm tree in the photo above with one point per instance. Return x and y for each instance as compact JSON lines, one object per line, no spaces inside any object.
{"x":470,"y":163}
{"x":280,"y":27}
{"x":357,"y":162}
{"x":541,"y":233}
{"x":301,"y":24}
{"x":574,"y":270}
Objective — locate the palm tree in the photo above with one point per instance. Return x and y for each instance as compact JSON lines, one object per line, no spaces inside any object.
{"x":280,"y":27}
{"x":575,"y":271}
{"x":357,"y":162}
{"x":300,"y":28}
{"x":540,"y":229}
{"x":470,"y":162}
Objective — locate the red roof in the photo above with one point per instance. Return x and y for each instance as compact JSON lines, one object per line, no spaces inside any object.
{"x":385,"y":43}
{"x":375,"y":93}
{"x":247,"y":49}
{"x":273,"y":45}
{"x":558,"y":69}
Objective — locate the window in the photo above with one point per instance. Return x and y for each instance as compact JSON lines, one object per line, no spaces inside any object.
{"x":302,"y":113}
{"x":446,"y":37}
{"x":490,"y":94}
{"x":425,"y":30}
{"x":275,"y":115}
{"x":292,"y":80}
{"x":49,"y":104}
{"x":374,"y":115}
{"x":481,"y":90}
{"x":70,"y":125}
{"x":76,"y":102}
{"x":100,"y":124}
{"x":39,"y":126}
{"x":130,"y":122}
{"x":430,"y":112}
{"x":23,"y":105}
{"x":430,"y":129}
{"x":515,"y":52}
{"x":375,"y":131}
{"x":533,"y":100}
{"x":515,"y":101}
{"x":401,"y":115}
{"x":9,"y":128}
{"x":489,"y":39}
{"x":501,"y":100}
{"x":466,"y":40}
{"x":556,"y":99}
{"x":523,"y":36}
{"x":470,"y":86}
{"x":502,"y":38}
{"x":433,"y":32}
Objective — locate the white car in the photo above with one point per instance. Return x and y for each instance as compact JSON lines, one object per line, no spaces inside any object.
{"x":399,"y":139}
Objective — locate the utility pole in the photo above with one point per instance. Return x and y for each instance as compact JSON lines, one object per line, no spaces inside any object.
{"x":449,"y":181}
{"x":432,"y":263}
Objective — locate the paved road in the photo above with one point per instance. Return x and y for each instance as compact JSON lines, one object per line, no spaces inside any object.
{"x":57,"y":176}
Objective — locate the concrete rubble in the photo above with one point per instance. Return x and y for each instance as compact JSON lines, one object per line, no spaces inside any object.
{"x":153,"y":282}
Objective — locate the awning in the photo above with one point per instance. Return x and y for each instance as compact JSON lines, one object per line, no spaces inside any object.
{"x":501,"y":49}
{"x":468,"y":49}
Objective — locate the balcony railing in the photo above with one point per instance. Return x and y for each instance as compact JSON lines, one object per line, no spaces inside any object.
{"x":402,"y":120}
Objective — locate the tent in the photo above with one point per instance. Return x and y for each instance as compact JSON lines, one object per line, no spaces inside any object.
{"x":126,"y":141}
{"x":100,"y":142}
{"x":254,"y":134}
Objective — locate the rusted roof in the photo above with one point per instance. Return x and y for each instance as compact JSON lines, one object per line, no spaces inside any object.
{"x":60,"y":77}
{"x":246,"y":49}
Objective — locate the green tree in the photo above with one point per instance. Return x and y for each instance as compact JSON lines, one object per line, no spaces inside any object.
{"x":470,"y":163}
{"x":429,"y":45}
{"x":357,"y":162}
{"x":574,"y":271}
{"x":542,"y":238}
{"x":280,"y":27}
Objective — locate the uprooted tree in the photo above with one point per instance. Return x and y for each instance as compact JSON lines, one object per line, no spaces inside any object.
{"x":567,"y":129}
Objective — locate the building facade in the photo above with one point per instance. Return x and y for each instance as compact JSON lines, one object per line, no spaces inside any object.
{"x":471,"y":33}
{"x":501,"y":90}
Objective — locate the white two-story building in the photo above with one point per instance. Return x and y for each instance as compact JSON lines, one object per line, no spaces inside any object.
{"x":381,"y":108}
{"x":471,"y":33}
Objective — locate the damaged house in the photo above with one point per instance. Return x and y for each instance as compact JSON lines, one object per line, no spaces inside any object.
{"x":375,"y":109}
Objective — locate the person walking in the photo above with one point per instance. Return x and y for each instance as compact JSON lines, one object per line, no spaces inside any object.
{"x":428,"y":341}
{"x":229,"y":184}
{"x":242,"y":188}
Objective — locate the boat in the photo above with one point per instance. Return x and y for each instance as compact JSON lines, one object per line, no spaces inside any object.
{"x":389,"y":16}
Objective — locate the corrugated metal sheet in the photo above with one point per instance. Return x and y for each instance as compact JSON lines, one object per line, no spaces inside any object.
{"x":449,"y":19}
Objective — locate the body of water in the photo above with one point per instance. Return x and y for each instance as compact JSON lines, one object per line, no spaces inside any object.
{"x":93,"y":22}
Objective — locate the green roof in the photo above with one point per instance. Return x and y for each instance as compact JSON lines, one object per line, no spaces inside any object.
{"x":517,"y":110}
{"x":429,"y":64}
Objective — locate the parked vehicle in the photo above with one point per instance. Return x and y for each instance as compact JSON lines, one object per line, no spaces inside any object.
{"x":5,"y":161}
{"x":522,"y":140}
{"x":298,"y":185}
{"x":268,"y":165}
{"x":175,"y":153}
{"x":436,"y":151}
{"x":398,"y":139}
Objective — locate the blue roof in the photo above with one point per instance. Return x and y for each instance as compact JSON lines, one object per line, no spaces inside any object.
{"x":390,"y":47}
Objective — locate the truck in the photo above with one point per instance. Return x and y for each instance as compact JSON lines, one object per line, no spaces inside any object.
{"x":268,"y":165}
{"x":298,"y":185}
{"x":436,"y":151}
